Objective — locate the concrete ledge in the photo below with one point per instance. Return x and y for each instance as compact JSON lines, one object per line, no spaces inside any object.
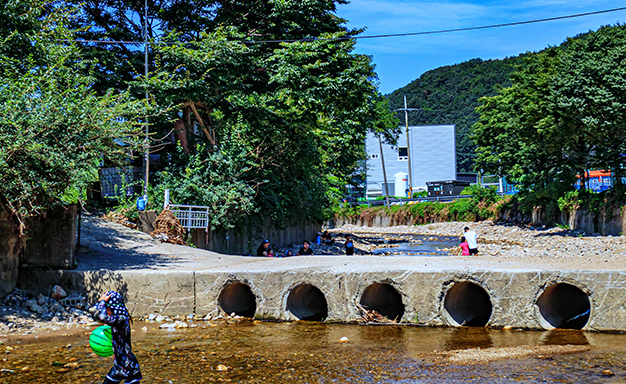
{"x":500,"y":298}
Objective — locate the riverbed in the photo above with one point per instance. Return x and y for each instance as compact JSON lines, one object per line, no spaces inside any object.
{"x":246,"y":351}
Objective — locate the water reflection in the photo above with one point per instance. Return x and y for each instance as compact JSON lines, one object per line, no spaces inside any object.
{"x":562,"y":337}
{"x":469,"y":337}
{"x":308,"y":352}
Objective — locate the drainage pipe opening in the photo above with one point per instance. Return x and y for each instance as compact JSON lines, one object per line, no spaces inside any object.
{"x":384,"y":299}
{"x":307,"y":302}
{"x":467,"y":304}
{"x":564,"y":306}
{"x":238,"y":298}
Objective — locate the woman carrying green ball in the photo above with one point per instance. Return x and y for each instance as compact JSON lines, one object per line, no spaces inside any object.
{"x":111,"y":310}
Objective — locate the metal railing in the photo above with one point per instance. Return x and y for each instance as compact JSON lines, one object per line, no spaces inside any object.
{"x":190,"y":216}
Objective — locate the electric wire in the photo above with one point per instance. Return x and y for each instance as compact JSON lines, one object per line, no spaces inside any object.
{"x":310,"y":39}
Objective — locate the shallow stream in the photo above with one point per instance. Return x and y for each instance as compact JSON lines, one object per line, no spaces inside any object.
{"x":306,"y":352}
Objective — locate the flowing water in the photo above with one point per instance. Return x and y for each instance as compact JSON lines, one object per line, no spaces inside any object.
{"x":415,"y":245}
{"x":304,"y":352}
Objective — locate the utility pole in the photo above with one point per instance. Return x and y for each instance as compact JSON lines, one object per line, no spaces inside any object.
{"x":146,"y":140}
{"x":382,"y":158}
{"x":408,"y":145}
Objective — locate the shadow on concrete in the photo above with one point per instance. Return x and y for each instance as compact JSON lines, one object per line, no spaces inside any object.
{"x":112,"y":246}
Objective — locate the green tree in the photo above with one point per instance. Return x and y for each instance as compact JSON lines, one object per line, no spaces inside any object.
{"x":564,"y":114}
{"x":301,"y":112}
{"x":54,"y":129}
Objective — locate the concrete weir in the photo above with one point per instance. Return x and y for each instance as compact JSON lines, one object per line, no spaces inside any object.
{"x":444,"y":291}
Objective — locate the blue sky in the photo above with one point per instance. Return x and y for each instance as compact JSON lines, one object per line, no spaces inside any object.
{"x":400,"y":60}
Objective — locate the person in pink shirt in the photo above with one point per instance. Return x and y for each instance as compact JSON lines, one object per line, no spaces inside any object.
{"x":464,"y":247}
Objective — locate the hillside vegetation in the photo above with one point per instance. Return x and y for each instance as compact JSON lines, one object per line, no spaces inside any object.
{"x":450,"y":94}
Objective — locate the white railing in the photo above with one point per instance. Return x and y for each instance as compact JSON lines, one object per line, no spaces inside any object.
{"x":190,"y":216}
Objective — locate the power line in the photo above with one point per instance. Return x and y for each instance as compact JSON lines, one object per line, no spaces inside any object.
{"x":363,"y":37}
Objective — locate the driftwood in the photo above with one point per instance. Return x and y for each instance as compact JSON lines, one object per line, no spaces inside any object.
{"x":371,"y":316}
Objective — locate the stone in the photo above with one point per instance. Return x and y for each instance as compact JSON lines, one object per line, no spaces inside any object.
{"x":607,"y":372}
{"x":152,"y":316}
{"x":167,"y":326}
{"x":181,"y":324}
{"x":38,"y":309}
{"x":221,"y":368}
{"x":72,"y":365}
{"x":344,"y":339}
{"x":58,"y":293}
{"x":56,"y":307}
{"x":159,"y":318}
{"x":42,"y":300}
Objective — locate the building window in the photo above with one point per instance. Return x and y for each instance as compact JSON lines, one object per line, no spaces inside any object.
{"x":375,"y":156}
{"x":403,"y":153}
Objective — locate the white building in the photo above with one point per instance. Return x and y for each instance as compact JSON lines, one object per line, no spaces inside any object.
{"x":433,"y":158}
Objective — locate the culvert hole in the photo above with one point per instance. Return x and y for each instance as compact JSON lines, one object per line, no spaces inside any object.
{"x":467,"y":304}
{"x":238,"y":298}
{"x":564,"y":306}
{"x":307,"y":302}
{"x":384,"y":299}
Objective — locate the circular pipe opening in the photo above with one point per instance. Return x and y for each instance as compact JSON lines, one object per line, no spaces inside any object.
{"x":467,"y":304}
{"x":564,"y":306}
{"x":238,"y":298}
{"x":307,"y":302}
{"x":384,"y":299}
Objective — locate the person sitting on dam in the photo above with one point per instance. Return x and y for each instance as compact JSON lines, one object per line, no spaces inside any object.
{"x":327,"y":239}
{"x":349,"y":245}
{"x":305,"y":249}
{"x":265,"y":249}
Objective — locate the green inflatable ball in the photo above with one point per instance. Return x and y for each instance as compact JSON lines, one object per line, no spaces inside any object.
{"x":100,"y":341}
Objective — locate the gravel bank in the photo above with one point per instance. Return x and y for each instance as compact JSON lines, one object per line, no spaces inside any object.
{"x":535,"y":246}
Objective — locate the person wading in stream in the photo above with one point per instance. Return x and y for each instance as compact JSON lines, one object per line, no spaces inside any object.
{"x":111,"y":310}
{"x":472,"y":241}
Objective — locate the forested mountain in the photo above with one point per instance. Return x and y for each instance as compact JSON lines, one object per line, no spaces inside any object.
{"x":449,"y":95}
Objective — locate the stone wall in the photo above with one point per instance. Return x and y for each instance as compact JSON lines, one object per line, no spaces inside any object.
{"x":51,"y":239}
{"x":9,"y":254}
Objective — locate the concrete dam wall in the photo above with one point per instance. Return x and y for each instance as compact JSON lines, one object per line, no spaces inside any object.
{"x":444,"y":293}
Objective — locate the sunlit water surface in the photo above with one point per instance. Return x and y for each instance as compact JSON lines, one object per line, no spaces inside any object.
{"x":302,"y":352}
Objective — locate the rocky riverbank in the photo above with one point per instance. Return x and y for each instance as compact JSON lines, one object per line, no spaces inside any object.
{"x":525,"y":243}
{"x":21,"y":314}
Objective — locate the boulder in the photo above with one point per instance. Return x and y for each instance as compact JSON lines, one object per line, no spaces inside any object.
{"x":58,"y":293}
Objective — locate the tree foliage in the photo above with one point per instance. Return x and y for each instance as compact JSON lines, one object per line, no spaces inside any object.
{"x":54,"y":129}
{"x":300,"y":112}
{"x":565,"y":113}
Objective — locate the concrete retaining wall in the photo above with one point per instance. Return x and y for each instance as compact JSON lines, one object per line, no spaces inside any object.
{"x":242,"y":240}
{"x":9,"y":255}
{"x":609,"y":222}
{"x":51,"y":239}
{"x":245,"y":241}
{"x":530,"y":299}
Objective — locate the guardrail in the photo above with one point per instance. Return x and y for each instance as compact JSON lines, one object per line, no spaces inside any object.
{"x":191,"y":216}
{"x":396,"y":201}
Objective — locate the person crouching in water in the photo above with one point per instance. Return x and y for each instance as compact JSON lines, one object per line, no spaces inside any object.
{"x":464,"y":247}
{"x":111,"y":310}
